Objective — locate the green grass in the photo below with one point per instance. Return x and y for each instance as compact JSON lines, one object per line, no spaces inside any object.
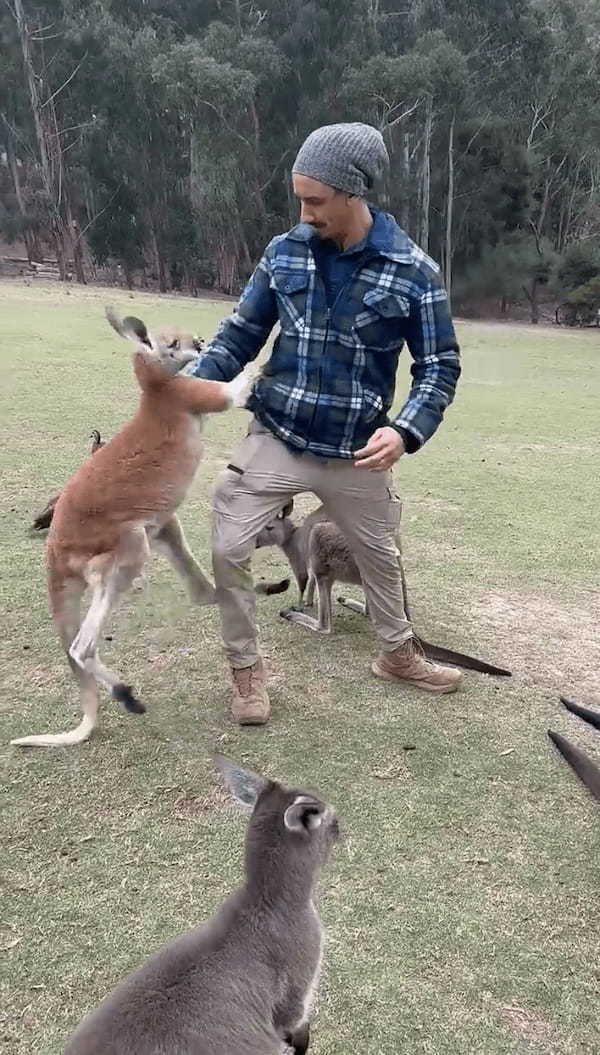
{"x":462,"y":906}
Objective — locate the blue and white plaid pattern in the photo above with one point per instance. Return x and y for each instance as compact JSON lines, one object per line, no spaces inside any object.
{"x":330,"y":380}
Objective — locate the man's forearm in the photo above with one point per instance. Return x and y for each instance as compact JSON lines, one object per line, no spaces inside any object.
{"x":241,"y":335}
{"x":432,"y":391}
{"x":435,"y":369}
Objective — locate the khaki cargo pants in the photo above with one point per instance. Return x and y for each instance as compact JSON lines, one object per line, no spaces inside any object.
{"x":361,"y":503}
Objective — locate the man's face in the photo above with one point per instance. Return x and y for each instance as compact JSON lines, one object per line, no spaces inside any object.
{"x":324,"y":208}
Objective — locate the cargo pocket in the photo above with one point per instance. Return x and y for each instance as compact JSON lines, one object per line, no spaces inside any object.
{"x":233,"y":477}
{"x":394,"y":508}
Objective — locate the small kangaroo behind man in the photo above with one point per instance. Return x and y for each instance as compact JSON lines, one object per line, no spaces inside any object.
{"x":320,"y":556}
{"x":122,"y":500}
{"x":241,"y":984}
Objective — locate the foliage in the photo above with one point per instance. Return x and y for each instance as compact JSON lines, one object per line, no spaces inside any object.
{"x":169,"y":130}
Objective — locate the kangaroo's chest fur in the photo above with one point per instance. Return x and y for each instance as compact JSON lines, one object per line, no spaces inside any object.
{"x":330,"y":554}
{"x":212,"y":991}
{"x":300,"y":971}
{"x":142,"y":478}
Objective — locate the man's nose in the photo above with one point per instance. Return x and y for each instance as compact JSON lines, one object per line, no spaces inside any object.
{"x":305,"y":215}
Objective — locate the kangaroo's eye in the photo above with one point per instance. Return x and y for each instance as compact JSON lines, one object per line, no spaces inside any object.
{"x":174,"y":344}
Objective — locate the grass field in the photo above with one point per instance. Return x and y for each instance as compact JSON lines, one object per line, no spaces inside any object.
{"x":462,"y":906}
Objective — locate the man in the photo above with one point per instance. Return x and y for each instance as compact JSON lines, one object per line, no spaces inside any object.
{"x":348,"y":287}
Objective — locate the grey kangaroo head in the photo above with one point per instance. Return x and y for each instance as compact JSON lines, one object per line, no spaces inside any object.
{"x":286,"y":824}
{"x":279,"y":530}
{"x":171,"y":348}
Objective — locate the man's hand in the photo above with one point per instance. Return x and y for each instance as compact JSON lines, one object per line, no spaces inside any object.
{"x":384,"y":448}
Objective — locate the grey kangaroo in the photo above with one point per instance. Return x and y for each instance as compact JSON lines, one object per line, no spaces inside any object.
{"x":320,"y":556}
{"x":241,"y":984}
{"x":586,"y":770}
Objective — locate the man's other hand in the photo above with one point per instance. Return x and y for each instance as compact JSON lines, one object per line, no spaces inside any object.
{"x":383,"y":450}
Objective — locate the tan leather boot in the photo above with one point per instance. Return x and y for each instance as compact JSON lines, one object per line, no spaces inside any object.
{"x":408,"y":663}
{"x":250,"y":701}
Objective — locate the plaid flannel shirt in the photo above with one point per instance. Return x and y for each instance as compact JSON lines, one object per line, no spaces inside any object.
{"x":330,"y":379}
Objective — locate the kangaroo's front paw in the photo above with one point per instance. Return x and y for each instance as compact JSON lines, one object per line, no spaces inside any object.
{"x":240,"y":388}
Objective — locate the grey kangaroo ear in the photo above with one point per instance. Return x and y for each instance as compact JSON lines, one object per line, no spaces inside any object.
{"x":287,"y":510}
{"x":305,"y":814}
{"x":586,"y":770}
{"x":130,"y":326}
{"x":244,"y":785}
{"x":136,"y":328}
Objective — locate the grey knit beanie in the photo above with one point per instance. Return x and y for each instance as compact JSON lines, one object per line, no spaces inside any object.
{"x":349,"y":157}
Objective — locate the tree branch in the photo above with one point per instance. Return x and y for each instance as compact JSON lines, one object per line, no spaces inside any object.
{"x":475,"y":134}
{"x":407,"y":113}
{"x":67,"y":82}
{"x":226,"y":124}
{"x":274,"y":172}
{"x":17,"y":135}
{"x":98,"y":214}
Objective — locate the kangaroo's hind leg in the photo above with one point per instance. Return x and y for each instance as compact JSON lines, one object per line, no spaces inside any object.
{"x":172,"y":542}
{"x":65,"y":599}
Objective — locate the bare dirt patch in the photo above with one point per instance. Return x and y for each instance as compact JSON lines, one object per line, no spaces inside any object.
{"x":529,"y":1026}
{"x":431,"y":503}
{"x":187,"y":806}
{"x":550,"y":641}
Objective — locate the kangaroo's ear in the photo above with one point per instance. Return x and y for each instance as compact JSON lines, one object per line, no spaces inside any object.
{"x":130,"y":327}
{"x":586,"y":770}
{"x":287,"y":510}
{"x":304,"y":815}
{"x":244,"y":785}
{"x":592,"y":717}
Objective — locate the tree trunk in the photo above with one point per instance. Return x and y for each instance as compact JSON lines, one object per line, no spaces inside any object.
{"x":559,"y":241}
{"x":291,"y":201}
{"x":162,"y":271}
{"x":405,"y":180}
{"x":159,"y":262}
{"x":34,"y":251}
{"x":34,"y":98}
{"x":532,"y":297}
{"x":59,"y":247}
{"x":76,"y":246}
{"x":426,"y":176}
{"x":535,"y":308}
{"x":569,"y":219}
{"x":49,"y":146}
{"x":373,"y":23}
{"x":128,"y":275}
{"x":449,"y":210}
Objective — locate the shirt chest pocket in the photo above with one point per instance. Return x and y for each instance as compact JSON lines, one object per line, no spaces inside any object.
{"x":383,"y":321}
{"x":291,"y":289}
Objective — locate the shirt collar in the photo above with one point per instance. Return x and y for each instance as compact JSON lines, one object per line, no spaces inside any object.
{"x":385,"y":238}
